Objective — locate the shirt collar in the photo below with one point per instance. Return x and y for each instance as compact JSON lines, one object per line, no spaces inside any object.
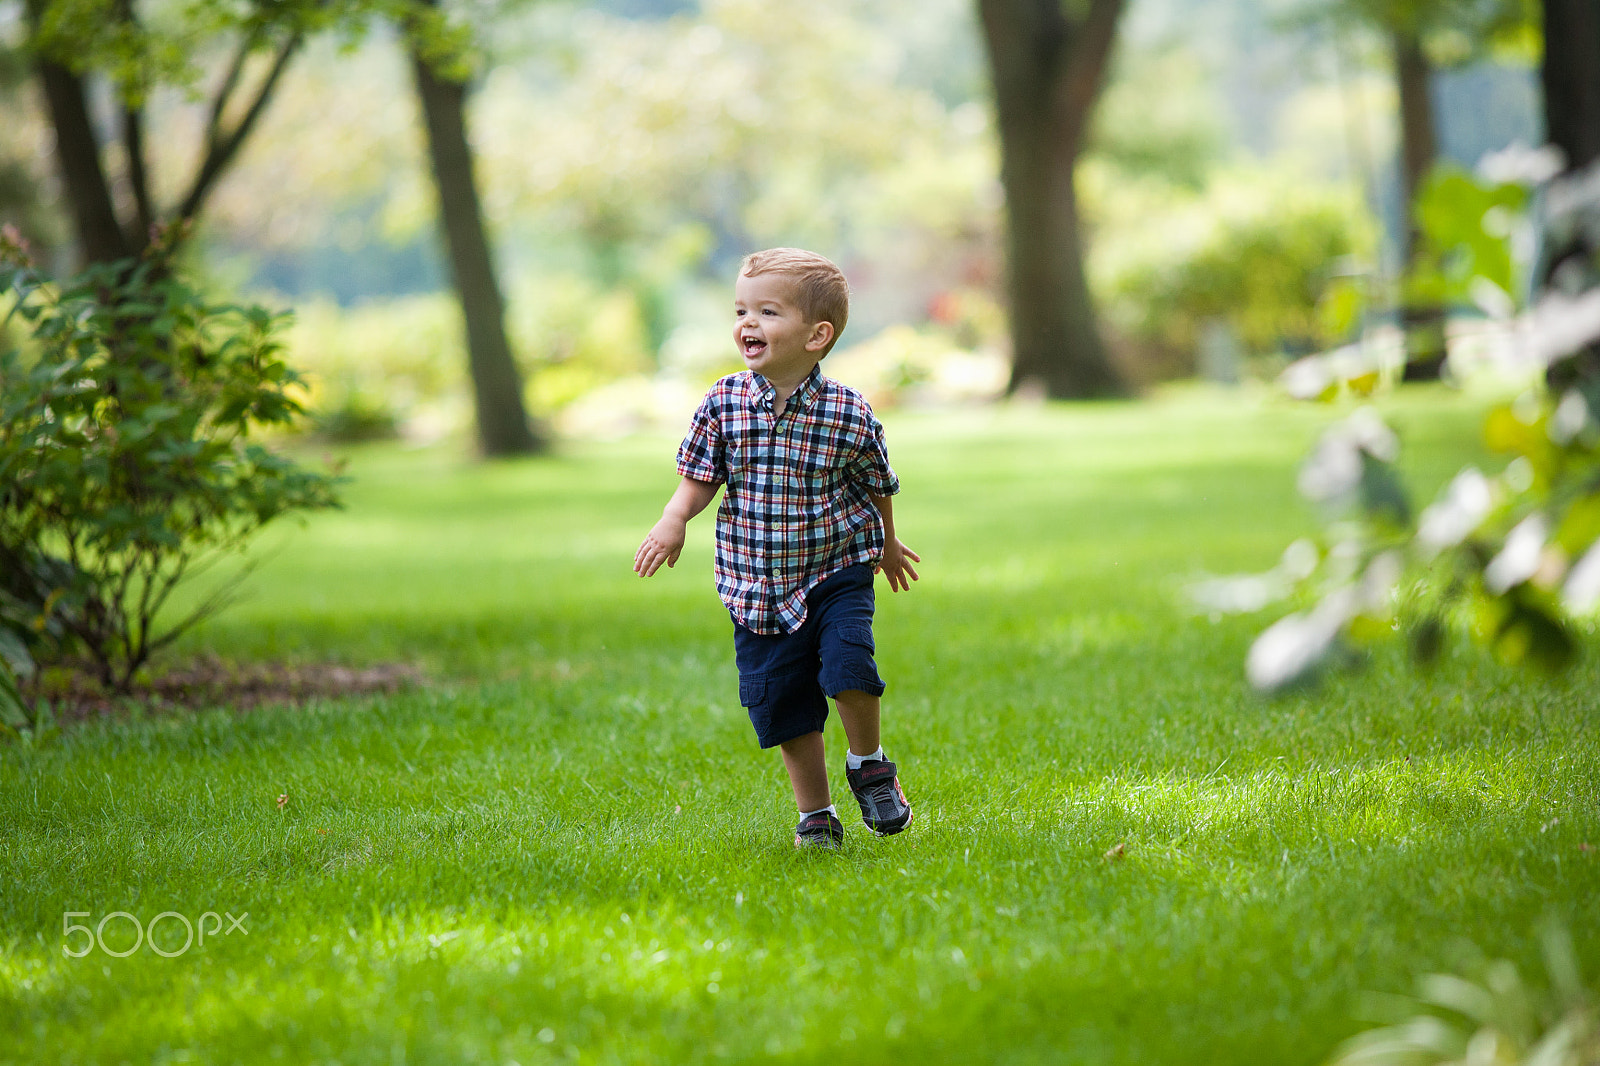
{"x":761,"y":391}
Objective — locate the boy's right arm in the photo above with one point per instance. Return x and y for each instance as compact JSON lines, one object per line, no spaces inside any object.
{"x":665,"y":541}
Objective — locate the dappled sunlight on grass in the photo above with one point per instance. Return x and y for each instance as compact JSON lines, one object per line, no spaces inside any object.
{"x":569,"y":845}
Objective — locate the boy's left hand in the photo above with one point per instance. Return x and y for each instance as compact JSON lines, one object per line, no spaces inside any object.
{"x":895,"y":567}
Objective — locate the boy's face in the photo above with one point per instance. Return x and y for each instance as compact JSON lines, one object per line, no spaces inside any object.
{"x":773,"y":335}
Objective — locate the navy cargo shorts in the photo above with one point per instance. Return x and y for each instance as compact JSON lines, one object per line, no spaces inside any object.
{"x":785,"y":679}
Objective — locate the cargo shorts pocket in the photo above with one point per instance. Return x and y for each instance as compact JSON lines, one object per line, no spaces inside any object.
{"x":859,"y":635}
{"x":847,"y":661}
{"x":752,"y":691}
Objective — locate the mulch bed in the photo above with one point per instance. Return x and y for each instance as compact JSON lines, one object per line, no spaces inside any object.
{"x":209,"y":681}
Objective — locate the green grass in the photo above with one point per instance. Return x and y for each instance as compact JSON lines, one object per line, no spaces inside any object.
{"x":571,"y":848}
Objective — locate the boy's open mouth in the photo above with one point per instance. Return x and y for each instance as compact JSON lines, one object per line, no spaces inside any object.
{"x":753,"y":345}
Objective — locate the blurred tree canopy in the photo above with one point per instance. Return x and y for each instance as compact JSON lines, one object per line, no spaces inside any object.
{"x":1423,"y":36}
{"x":139,"y":48}
{"x":625,"y":155}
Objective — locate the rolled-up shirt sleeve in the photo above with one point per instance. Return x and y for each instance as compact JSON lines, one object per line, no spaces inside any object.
{"x":702,"y":455}
{"x":871,"y":468}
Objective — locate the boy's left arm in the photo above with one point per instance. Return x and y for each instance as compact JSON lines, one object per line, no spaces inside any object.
{"x":897,"y":558}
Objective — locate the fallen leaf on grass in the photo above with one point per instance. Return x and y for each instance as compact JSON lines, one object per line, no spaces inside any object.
{"x":1117,"y":853}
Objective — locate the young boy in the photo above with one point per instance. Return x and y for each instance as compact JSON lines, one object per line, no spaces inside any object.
{"x":804,"y":524}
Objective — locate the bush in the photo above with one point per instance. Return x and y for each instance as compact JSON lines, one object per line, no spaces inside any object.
{"x":1510,"y":557}
{"x":1261,"y":259}
{"x":125,"y":460}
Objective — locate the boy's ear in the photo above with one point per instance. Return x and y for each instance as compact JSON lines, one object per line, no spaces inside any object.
{"x":821,"y":336}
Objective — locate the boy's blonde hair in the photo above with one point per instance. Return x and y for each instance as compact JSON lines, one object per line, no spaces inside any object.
{"x":821,"y":290}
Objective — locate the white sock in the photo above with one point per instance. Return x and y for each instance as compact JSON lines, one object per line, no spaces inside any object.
{"x":852,"y":761}
{"x":830,"y":808}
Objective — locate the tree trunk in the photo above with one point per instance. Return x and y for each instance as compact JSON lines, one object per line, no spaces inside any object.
{"x":503,"y":427}
{"x":1571,"y":77}
{"x":100,"y":236}
{"x":1423,"y":323}
{"x":1048,"y":69}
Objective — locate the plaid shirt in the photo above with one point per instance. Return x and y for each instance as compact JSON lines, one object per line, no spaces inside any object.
{"x":795,"y":509}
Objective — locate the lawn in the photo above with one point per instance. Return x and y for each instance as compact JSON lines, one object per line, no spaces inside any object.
{"x":568,"y":846}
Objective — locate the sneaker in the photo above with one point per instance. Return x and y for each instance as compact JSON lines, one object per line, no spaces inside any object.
{"x":819,"y":830}
{"x":877,"y":788}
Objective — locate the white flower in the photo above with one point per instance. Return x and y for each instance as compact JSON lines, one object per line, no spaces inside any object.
{"x":1519,"y":559}
{"x":1582,"y":591}
{"x":1378,"y":583}
{"x":1332,"y":470}
{"x":1291,"y":646}
{"x":1573,"y":193}
{"x":1449,"y":521}
{"x":1334,"y":466}
{"x":1372,"y":435}
{"x":1244,"y":593}
{"x":1491,"y":299}
{"x":1236,"y":595}
{"x":1562,"y":324}
{"x":1306,"y":379}
{"x":1517,"y":164}
{"x":1299,"y":560}
{"x":1571,"y":415}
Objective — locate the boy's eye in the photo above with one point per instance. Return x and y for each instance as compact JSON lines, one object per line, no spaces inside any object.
{"x":768,"y":311}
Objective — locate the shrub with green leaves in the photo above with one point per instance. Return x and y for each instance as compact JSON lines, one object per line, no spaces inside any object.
{"x":126,"y":465}
{"x":1512,"y":556}
{"x":1498,"y":1020}
{"x":1266,"y":268}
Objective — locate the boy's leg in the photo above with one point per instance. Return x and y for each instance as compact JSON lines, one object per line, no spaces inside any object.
{"x":850,"y":675}
{"x":803,"y":757}
{"x":858,"y":713}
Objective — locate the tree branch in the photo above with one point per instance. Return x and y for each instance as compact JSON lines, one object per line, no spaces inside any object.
{"x":138,"y":177}
{"x":220,"y":152}
{"x":219,"y":105}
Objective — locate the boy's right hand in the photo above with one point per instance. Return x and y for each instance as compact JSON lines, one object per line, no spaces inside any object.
{"x":662,"y":545}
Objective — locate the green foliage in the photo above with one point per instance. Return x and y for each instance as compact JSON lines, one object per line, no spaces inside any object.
{"x":358,"y":417}
{"x":578,"y":336}
{"x":1159,"y":119}
{"x":1466,"y":225}
{"x":15,"y":661}
{"x":141,"y":47}
{"x":396,"y":355}
{"x":1514,"y":557}
{"x":375,"y":366}
{"x":1497,"y":1019}
{"x":125,"y":459}
{"x":1265,"y":266}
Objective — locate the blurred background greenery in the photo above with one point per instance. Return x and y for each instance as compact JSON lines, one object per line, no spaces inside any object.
{"x":1239,"y":191}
